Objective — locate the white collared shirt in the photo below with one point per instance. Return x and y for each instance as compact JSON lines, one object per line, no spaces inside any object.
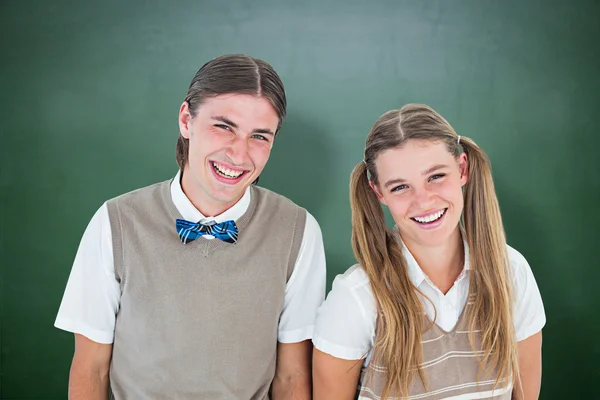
{"x":91,"y":299}
{"x":345,"y":326}
{"x":191,"y":213}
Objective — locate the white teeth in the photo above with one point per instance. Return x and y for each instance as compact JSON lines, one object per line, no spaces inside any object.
{"x":226,"y":171}
{"x":430,"y":218}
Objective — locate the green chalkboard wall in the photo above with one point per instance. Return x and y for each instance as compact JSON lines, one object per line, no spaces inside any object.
{"x":89,"y":95}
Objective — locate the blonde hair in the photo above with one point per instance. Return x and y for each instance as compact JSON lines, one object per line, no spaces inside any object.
{"x":400,"y":321}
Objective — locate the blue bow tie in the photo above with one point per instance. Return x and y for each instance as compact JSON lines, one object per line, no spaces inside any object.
{"x":226,"y":231}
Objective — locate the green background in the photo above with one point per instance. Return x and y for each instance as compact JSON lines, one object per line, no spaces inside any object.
{"x":89,"y":95}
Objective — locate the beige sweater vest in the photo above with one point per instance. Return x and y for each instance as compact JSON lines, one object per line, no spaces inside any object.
{"x":199,"y":320}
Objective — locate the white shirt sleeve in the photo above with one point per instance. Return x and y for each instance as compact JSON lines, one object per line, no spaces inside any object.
{"x":345,"y":326}
{"x":305,"y":290}
{"x":529,"y":316}
{"x":91,"y":299}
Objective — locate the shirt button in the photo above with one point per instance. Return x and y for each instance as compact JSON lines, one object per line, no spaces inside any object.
{"x":447,"y":305}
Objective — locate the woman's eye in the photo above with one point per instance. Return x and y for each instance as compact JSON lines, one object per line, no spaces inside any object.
{"x":399,"y":188}
{"x":436,"y":176}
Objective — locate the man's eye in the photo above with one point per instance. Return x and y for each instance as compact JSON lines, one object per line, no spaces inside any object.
{"x":226,"y":127}
{"x":260,"y":137}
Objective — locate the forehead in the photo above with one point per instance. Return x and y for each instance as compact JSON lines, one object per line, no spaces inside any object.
{"x":412,"y":158}
{"x":245,"y":110}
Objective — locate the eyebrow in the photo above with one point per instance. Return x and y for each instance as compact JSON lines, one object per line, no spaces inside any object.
{"x":234,"y":125}
{"x":427,"y":172}
{"x":434,"y":168}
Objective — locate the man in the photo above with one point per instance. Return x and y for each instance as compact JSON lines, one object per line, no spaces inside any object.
{"x":204,"y":286}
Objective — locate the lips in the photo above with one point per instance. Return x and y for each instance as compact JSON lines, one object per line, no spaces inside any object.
{"x":430,"y":218}
{"x":226,"y":171}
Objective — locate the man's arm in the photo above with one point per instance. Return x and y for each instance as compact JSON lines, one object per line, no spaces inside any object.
{"x":304,"y":294}
{"x":527,"y":387}
{"x":88,"y":309}
{"x":88,"y":379}
{"x":293,"y":374}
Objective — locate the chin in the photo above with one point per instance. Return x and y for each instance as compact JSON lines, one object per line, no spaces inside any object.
{"x":437,"y":238}
{"x":432,"y":238}
{"x":228,"y":194}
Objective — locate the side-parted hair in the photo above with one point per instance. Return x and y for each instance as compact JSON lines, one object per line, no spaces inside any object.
{"x":233,"y":73}
{"x":400,"y":321}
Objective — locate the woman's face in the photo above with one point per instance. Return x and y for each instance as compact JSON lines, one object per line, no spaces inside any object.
{"x":421,"y":183}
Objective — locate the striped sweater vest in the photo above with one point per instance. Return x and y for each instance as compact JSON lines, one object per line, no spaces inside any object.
{"x":450,"y":367}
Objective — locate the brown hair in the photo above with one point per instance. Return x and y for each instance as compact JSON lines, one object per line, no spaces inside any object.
{"x":233,"y":73}
{"x":400,"y":321}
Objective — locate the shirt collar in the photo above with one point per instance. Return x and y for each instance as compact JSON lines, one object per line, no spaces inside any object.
{"x":416,"y":274}
{"x":191,"y":213}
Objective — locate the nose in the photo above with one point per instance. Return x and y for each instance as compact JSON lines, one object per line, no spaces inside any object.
{"x":237,"y":151}
{"x":423,"y":198}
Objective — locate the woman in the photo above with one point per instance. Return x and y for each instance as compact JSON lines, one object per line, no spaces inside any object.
{"x":439,"y":307}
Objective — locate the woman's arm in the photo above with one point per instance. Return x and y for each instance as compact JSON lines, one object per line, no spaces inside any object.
{"x":334,"y":378}
{"x":527,"y":387}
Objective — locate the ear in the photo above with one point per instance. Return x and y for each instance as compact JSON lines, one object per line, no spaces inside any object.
{"x":463,"y":167}
{"x":185,"y":119}
{"x":377,"y":192}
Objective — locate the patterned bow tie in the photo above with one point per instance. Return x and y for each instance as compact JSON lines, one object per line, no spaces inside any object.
{"x":226,"y":231}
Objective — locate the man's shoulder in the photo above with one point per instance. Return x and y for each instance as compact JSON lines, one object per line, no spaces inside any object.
{"x":275,"y":199}
{"x":280,"y":210}
{"x":139,"y":194}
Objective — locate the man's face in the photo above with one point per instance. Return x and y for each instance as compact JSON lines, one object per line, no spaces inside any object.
{"x":230,"y":139}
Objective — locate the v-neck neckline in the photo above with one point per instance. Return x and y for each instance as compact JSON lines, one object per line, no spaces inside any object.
{"x":458,"y":324}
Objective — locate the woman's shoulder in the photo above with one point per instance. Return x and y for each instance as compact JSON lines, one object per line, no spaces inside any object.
{"x":515,"y":256}
{"x":519,"y":264}
{"x":345,"y":326}
{"x":354,"y":286}
{"x":353,"y":289}
{"x":529,"y":314}
{"x":354,"y":277}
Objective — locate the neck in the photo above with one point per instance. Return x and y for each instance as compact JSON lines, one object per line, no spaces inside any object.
{"x":208,"y":207}
{"x":442,"y":263}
